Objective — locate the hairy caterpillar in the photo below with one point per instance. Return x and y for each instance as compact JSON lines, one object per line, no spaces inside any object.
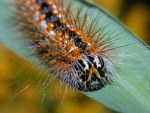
{"x":67,"y":43}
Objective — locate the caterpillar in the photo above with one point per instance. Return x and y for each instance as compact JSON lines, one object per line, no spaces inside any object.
{"x":67,"y":43}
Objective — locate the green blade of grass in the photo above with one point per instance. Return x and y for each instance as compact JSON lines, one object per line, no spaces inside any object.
{"x":130,"y":92}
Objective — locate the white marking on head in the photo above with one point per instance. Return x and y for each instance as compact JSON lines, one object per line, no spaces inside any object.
{"x":96,"y":60}
{"x":86,"y":65}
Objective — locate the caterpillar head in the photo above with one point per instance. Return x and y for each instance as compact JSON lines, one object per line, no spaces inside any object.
{"x":91,"y":73}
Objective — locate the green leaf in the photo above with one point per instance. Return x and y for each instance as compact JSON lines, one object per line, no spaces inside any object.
{"x":130,"y":92}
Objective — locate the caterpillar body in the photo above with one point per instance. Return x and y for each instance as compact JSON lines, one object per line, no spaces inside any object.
{"x":70,"y":48}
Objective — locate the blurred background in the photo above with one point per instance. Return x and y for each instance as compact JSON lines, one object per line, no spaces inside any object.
{"x":25,"y":89}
